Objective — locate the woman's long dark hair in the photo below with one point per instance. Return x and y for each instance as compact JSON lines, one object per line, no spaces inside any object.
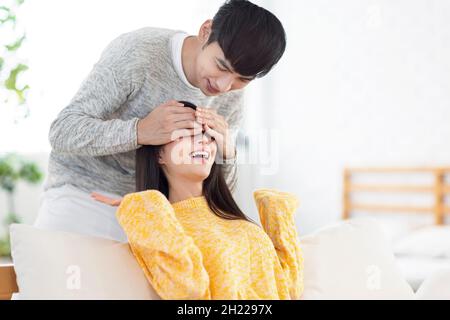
{"x":150,"y":176}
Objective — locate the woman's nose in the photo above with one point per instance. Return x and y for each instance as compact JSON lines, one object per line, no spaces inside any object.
{"x":203,"y":138}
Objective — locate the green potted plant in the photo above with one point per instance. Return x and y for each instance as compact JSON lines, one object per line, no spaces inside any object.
{"x":12,"y":170}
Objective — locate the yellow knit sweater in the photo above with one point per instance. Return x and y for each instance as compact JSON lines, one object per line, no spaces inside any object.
{"x":187,"y":252}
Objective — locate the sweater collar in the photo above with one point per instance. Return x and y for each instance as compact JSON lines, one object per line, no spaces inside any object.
{"x":191,"y":203}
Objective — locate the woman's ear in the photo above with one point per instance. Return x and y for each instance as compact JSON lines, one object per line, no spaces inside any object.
{"x":160,"y":157}
{"x":205,"y":31}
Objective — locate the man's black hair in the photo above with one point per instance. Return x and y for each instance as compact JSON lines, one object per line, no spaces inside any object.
{"x":252,"y":38}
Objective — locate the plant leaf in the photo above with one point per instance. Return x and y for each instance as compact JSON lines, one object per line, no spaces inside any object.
{"x":11,"y":82}
{"x":16,"y":45}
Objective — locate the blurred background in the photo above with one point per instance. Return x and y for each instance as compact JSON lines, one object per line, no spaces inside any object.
{"x":363,"y":83}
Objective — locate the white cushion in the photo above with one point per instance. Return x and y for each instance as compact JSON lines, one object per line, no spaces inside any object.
{"x":351,"y":260}
{"x":432,"y":242}
{"x":60,"y":265}
{"x":397,"y":226}
{"x":436,"y":287}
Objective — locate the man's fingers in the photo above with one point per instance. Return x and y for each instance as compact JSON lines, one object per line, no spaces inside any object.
{"x":176,"y":134}
{"x":97,"y":195}
{"x":187,"y":124}
{"x":206,"y":110}
{"x":214,"y":124}
{"x":179,"y":110}
{"x":102,"y":198}
{"x":210,"y":131}
{"x":212,"y":118}
{"x":208,"y":122}
{"x":174,"y":103}
{"x":173,"y":106}
{"x":117,"y":202}
{"x":182,"y":117}
{"x":205,"y":118}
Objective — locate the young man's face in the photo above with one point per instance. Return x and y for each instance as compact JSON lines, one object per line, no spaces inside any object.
{"x":215,"y":74}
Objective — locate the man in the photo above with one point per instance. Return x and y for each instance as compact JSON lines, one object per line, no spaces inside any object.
{"x":130,"y":99}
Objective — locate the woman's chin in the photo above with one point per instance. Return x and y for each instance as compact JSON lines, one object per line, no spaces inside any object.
{"x":201,"y":173}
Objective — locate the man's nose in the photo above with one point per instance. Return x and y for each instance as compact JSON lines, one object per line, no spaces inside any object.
{"x":225,"y":82}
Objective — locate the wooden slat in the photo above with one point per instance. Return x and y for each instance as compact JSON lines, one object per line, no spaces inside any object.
{"x":8,"y":284}
{"x":390,"y":208}
{"x":439,"y":197}
{"x":390,"y":188}
{"x":439,"y":189}
{"x":346,"y":196}
{"x":398,"y":170}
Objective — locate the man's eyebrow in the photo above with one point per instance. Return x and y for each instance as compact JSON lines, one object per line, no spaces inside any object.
{"x":225,"y":65}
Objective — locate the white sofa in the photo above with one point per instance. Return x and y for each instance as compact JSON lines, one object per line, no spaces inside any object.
{"x":347,"y":260}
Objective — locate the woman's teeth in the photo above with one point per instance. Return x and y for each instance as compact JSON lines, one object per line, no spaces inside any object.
{"x":200,"y":154}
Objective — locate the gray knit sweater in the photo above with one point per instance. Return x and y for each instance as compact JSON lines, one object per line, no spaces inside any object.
{"x":94,"y":138}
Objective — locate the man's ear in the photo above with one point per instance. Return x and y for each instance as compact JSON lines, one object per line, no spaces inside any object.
{"x":205,"y":31}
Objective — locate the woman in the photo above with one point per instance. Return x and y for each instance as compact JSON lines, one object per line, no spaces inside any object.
{"x":190,"y":237}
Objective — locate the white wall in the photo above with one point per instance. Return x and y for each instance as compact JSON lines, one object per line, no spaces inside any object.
{"x":362,"y":83}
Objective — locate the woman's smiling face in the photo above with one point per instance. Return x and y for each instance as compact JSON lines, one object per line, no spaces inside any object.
{"x":191,"y":157}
